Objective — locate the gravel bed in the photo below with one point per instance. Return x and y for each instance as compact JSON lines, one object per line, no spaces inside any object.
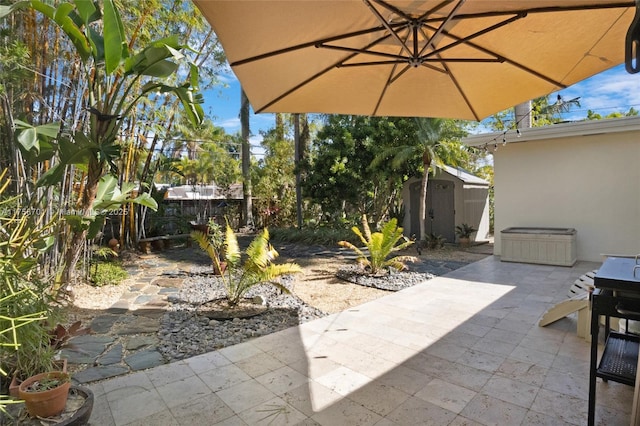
{"x":391,"y":280}
{"x":184,"y":333}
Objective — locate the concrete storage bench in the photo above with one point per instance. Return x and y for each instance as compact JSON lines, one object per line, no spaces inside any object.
{"x":546,"y":246}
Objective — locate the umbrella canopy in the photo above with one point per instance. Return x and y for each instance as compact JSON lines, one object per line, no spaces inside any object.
{"x":433,"y":58}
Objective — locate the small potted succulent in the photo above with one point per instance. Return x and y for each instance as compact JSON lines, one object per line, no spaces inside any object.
{"x":464,"y":232}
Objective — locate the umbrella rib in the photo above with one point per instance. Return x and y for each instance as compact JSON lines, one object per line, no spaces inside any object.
{"x":509,"y":61}
{"x":313,"y":77}
{"x":388,"y":27}
{"x":364,"y":52}
{"x":476,"y":34}
{"x":464,"y":96}
{"x":441,"y":28}
{"x":390,"y":81}
{"x":314,"y":43}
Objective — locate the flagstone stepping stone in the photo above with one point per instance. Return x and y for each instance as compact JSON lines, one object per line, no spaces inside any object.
{"x":138,"y":325}
{"x":137,"y":342}
{"x":92,"y":374}
{"x":85,"y":349}
{"x":103,"y":323}
{"x":112,"y":356}
{"x":144,"y":359}
{"x":167,"y":282}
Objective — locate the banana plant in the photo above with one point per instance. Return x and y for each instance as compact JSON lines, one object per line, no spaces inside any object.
{"x":116,"y":79}
{"x":380,"y":246}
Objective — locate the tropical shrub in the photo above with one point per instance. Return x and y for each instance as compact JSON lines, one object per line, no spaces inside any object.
{"x":465,"y":230}
{"x":434,"y":241}
{"x":380,"y":246}
{"x":242,"y":272}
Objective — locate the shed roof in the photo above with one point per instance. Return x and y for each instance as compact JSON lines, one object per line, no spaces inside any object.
{"x":464,"y":175}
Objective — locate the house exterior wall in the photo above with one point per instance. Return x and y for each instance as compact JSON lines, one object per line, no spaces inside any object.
{"x":590,"y":183}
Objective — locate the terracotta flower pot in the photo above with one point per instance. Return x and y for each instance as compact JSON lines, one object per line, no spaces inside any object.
{"x":46,"y":403}
{"x":60,"y":365}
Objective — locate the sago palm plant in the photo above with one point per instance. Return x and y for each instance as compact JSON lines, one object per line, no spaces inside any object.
{"x":380,"y":246}
{"x":255,"y":267}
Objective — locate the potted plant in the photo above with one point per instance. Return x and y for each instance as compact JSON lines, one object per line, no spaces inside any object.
{"x":464,"y":232}
{"x":45,"y":394}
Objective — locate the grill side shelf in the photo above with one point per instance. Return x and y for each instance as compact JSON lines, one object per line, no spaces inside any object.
{"x":620,"y":358}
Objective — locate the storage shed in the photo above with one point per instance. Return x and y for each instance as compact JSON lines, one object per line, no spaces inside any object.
{"x":454,"y":197}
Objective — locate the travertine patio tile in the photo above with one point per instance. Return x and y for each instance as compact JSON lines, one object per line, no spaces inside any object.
{"x":136,"y":406}
{"x":522,"y":371}
{"x":463,"y":421}
{"x":512,"y":391}
{"x":126,"y":386}
{"x":239,"y":352}
{"x":224,"y":377}
{"x":282,"y":380}
{"x":273,"y":412}
{"x":259,"y":364}
{"x":494,"y":346}
{"x":209,"y":409}
{"x":504,"y":336}
{"x":168,"y":373}
{"x":405,"y":379}
{"x":567,"y":383}
{"x":163,"y":418}
{"x":311,"y":398}
{"x":182,"y":391}
{"x":209,"y":361}
{"x":369,"y":397}
{"x":415,"y":411}
{"x":464,"y":376}
{"x":346,"y":412}
{"x":245,"y":395}
{"x":446,"y":395}
{"x":515,"y":325}
{"x":446,"y":350}
{"x":481,"y":360}
{"x":343,"y":380}
{"x":564,"y":407}
{"x":533,"y":356}
{"x":315,"y":366}
{"x":231,"y":421}
{"x":492,"y":411}
{"x":538,"y":419}
{"x":542,"y":343}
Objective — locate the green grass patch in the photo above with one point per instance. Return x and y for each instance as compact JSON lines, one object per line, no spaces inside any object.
{"x":108,"y":273}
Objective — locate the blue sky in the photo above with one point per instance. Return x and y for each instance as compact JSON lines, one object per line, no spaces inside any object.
{"x":607,"y":92}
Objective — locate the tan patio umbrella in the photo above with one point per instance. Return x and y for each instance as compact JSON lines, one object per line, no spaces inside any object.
{"x":438,"y":58}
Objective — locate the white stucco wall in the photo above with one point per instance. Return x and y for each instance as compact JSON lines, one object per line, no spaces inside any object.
{"x":584,"y":176}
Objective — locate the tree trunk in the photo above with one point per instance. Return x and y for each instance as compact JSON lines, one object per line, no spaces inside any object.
{"x":78,"y":236}
{"x":423,"y":194}
{"x":246,"y":161}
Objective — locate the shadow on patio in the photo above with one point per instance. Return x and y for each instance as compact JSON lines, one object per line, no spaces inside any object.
{"x":464,"y":348}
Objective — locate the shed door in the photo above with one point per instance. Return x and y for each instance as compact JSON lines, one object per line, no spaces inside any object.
{"x":440,"y":201}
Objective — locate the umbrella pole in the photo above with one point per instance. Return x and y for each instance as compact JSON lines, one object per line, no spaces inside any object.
{"x":296,"y":137}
